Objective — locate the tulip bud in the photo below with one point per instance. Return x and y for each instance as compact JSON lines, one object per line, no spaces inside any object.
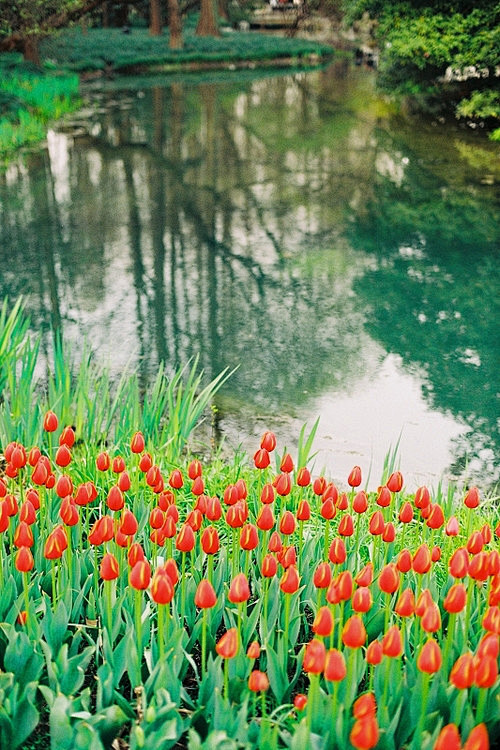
{"x":205,"y":597}
{"x":227,"y":646}
{"x":335,"y":667}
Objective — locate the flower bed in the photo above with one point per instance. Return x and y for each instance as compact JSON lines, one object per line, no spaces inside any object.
{"x":146,"y":603}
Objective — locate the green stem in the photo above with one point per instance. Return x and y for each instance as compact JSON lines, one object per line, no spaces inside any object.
{"x":449,"y":640}
{"x":108,"y":589}
{"x":161,"y":630}
{"x":226,"y":679}
{"x":54,"y":584}
{"x":481,"y":703}
{"x":417,"y":738}
{"x":138,"y":625}
{"x":183,"y":586}
{"x":265,"y":604}
{"x":287,"y":620}
{"x":204,"y":643}
{"x":27,"y":601}
{"x":311,"y":699}
{"x":327,"y":539}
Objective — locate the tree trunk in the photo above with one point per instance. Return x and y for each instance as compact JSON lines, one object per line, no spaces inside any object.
{"x":175,"y":25}
{"x":154,"y":18}
{"x":31,"y":52}
{"x":207,"y":25}
{"x":222,"y":9}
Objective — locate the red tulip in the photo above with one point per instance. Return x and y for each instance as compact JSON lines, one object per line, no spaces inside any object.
{"x":365,"y":575}
{"x":115,"y":500}
{"x":354,"y":633}
{"x":346,"y":526}
{"x":448,"y":738}
{"x":268,"y":441}
{"x":269,"y":566}
{"x":455,"y":599}
{"x":354,"y":478}
{"x":300,"y":701}
{"x":145,"y":462}
{"x":23,"y":535}
{"x":103,"y":461}
{"x":175,"y":480}
{"x":337,"y":552}
{"x":303,"y":511}
{"x":128,"y":523}
{"x":328,"y":510}
{"x":205,"y":597}
{"x":55,"y":544}
{"x":63,"y":455}
{"x":283,"y":484}
{"x":422,"y":498}
{"x":303,"y":477}
{"x":249,"y":538}
{"x":135,"y":554}
{"x":261,"y":459}
{"x":287,"y":523}
{"x":478,"y":739}
{"x":322,"y":576}
{"x":392,"y":644}
{"x":364,"y":706}
{"x":24,"y":560}
{"x":275,"y":544}
{"x":486,"y":671}
{"x":422,"y":560}
{"x":406,"y":513}
{"x":374,"y":653}
{"x":389,"y":533}
{"x":258,"y":681}
{"x":364,"y":733}
{"x":384,"y":497}
{"x":323,"y":622}
{"x":405,"y":606}
{"x":118,"y":465}
{"x":227,"y":646}
{"x":68,"y":512}
{"x":462,"y":672}
{"x":27,"y":512}
{"x":239,"y":590}
{"x":50,"y":422}
{"x":360,"y":502}
{"x":267,"y":494}
{"x":395,"y":482}
{"x":253,"y":650}
{"x":124,"y":482}
{"x":389,"y":578}
{"x":362,"y":600}
{"x":459,"y":563}
{"x":140,"y":575}
{"x":377,"y":523}
{"x":185,"y":539}
{"x":335,"y":667}
{"x":452,"y":528}
{"x":137,"y":443}
{"x":491,"y":620}
{"x":109,"y":568}
{"x":290,"y":581}
{"x":471,"y":499}
{"x":286,"y":464}
{"x":429,"y":659}
{"x":314,"y":657}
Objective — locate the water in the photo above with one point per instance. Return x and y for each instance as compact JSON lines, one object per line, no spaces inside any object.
{"x":343,"y":258}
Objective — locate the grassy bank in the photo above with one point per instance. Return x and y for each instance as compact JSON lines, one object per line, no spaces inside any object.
{"x":29,"y":99}
{"x":113,"y":51}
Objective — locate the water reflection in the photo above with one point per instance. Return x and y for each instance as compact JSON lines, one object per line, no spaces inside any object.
{"x":280,"y":224}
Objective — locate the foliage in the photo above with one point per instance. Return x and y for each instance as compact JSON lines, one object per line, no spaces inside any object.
{"x":32,"y":99}
{"x":426,"y":49}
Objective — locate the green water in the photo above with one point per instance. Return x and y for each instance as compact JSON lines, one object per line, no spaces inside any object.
{"x":344,"y":258}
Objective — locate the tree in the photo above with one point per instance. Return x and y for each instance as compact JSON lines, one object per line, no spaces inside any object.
{"x":174,"y":24}
{"x":25,"y":22}
{"x":446,"y":51}
{"x":207,"y":25}
{"x":154,"y":18}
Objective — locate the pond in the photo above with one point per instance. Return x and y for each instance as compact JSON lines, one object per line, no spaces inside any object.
{"x":343,"y":258}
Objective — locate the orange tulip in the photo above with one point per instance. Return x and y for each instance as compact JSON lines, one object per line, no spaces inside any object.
{"x":335,"y":668}
{"x":478,"y":739}
{"x":314,"y":657}
{"x":227,"y":645}
{"x":429,"y":659}
{"x":258,"y":681}
{"x":354,"y":633}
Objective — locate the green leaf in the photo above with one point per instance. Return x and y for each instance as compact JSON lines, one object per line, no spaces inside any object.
{"x":276,"y":673}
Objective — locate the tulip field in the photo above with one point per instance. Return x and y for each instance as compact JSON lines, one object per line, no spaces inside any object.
{"x":244,"y":605}
{"x":154,"y":598}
